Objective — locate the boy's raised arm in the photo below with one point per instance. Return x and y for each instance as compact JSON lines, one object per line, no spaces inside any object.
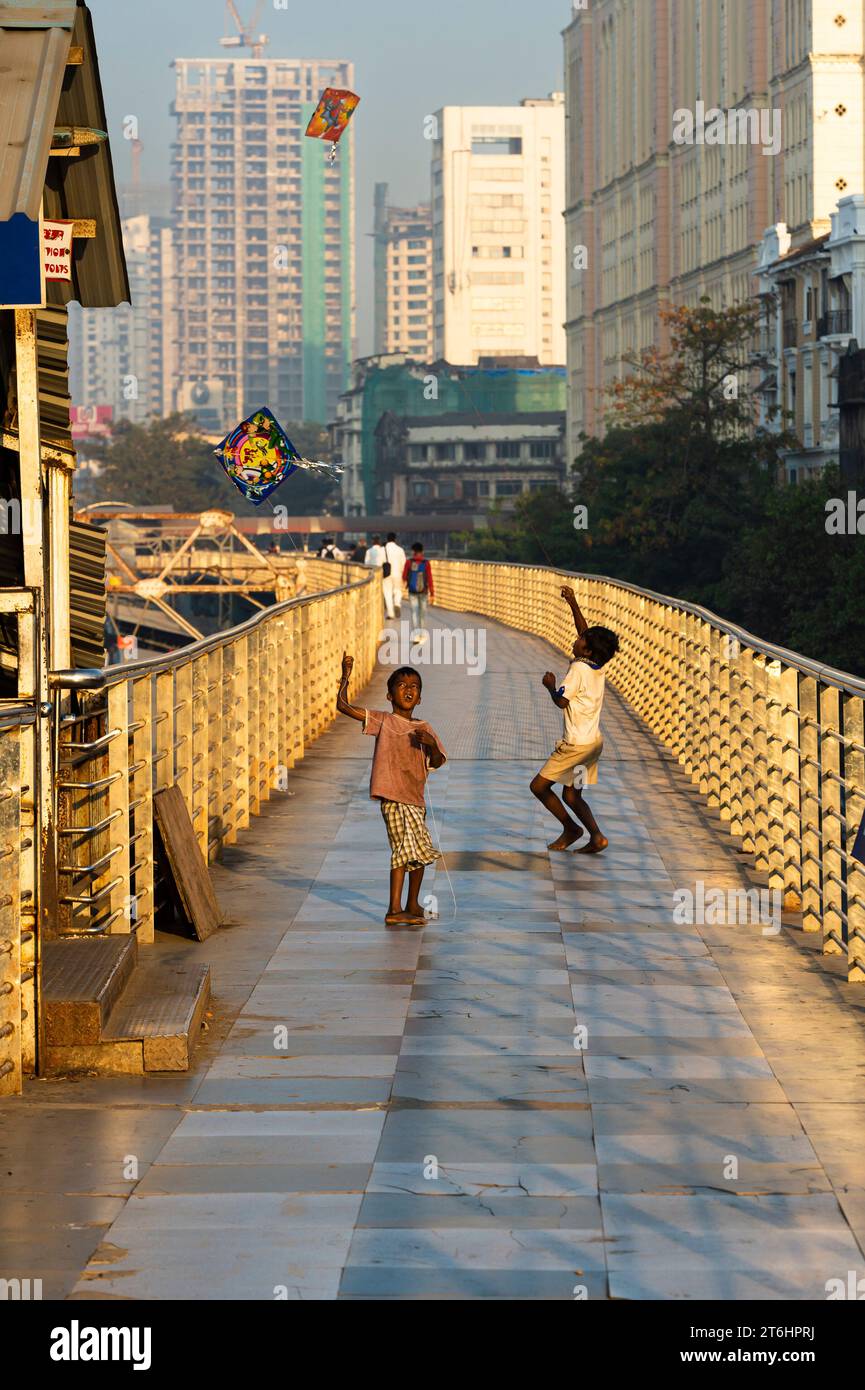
{"x":571,"y":600}
{"x":342,"y":702}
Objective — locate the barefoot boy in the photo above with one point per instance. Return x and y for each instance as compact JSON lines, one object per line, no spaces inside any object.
{"x":405,"y":749}
{"x":575,"y":758}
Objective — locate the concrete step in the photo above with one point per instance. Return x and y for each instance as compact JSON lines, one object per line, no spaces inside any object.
{"x":114,"y":1007}
{"x":161,"y":1010}
{"x":82,"y":980}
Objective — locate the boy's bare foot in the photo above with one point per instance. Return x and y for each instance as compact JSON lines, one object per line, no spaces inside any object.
{"x":566,"y":839}
{"x":596,"y":844}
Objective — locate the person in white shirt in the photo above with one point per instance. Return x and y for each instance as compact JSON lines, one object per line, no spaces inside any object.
{"x":374,"y":558}
{"x":574,"y":761}
{"x":394,"y":557}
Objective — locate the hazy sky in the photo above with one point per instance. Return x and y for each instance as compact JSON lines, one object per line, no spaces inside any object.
{"x":410,"y":56}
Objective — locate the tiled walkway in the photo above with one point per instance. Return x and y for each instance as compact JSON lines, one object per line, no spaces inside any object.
{"x":407,"y":1115}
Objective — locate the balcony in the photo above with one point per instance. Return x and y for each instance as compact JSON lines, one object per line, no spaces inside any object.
{"x":835,"y":322}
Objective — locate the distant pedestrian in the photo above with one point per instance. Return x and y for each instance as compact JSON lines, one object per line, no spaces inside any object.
{"x":374,"y":558}
{"x":358,"y":555}
{"x":417,"y":578}
{"x":392,"y":572}
{"x":405,"y":750}
{"x":574,"y":761}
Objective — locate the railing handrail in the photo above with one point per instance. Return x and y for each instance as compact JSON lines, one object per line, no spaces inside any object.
{"x":14,"y":714}
{"x":829,"y":675}
{"x":103,"y":678}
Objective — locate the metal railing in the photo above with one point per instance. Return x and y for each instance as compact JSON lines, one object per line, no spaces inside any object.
{"x":225,"y":719}
{"x":835,"y":321}
{"x":774,"y":742}
{"x":17,"y":873}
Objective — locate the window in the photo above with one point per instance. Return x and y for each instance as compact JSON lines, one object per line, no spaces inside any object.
{"x":541,"y":448}
{"x":421,"y":489}
{"x":507,"y":449}
{"x":445,"y":451}
{"x":474,"y":451}
{"x":508,"y":489}
{"x":447,"y":491}
{"x":497,"y":145}
{"x":470,"y":489}
{"x":417,"y":453}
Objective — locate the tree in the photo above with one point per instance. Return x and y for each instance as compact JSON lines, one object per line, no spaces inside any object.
{"x":792,"y":581}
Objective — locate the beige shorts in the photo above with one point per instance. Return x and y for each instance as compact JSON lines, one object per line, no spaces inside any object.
{"x":573,"y":762}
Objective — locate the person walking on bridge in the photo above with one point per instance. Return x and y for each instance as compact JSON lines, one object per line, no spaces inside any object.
{"x":392,"y":571}
{"x":418,"y":579}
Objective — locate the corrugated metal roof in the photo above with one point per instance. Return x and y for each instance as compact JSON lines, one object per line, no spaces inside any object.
{"x":40,"y":91}
{"x":34,"y":67}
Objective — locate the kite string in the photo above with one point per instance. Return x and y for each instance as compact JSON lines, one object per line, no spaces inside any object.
{"x":443,"y":859}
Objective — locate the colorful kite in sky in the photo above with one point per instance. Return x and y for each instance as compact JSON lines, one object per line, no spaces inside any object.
{"x":330,"y":118}
{"x":258,"y":456}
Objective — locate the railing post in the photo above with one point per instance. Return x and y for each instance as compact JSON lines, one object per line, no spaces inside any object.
{"x":119,"y":902}
{"x":761,"y":767}
{"x":714,"y":718}
{"x":831,"y":821}
{"x":200,"y":739}
{"x":791,"y":780}
{"x":216,"y":770}
{"x":241,"y":736}
{"x":812,"y":834}
{"x":141,"y":807}
{"x":254,"y":663}
{"x":775,"y":807}
{"x":854,"y":802}
{"x":748,"y":742}
{"x":10,"y":929}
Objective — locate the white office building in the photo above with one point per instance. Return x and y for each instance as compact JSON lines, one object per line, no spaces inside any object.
{"x":498,"y":197}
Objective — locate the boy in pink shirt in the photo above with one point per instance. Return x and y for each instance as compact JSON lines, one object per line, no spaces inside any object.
{"x":405,"y":749}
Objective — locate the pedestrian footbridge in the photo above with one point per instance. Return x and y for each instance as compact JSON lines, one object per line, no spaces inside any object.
{"x":634,"y":1076}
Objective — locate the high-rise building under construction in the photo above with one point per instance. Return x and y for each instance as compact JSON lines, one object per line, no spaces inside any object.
{"x":264,"y":240}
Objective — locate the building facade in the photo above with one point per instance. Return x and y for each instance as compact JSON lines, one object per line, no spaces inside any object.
{"x":396,"y":386}
{"x":460,"y":463}
{"x":265,"y":241}
{"x":814,"y":308}
{"x":692,"y":126}
{"x":403,"y":278}
{"x":498,"y":191}
{"x":124,"y":358}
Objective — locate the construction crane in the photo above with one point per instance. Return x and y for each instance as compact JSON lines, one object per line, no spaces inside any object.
{"x":245,"y":37}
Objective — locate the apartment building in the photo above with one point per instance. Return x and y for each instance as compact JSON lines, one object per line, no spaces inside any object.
{"x":693,"y":125}
{"x":498,"y":191}
{"x":507,"y":392}
{"x":459,"y":463}
{"x":814,"y":309}
{"x":265,"y":240}
{"x":124,"y":359}
{"x":403,"y":278}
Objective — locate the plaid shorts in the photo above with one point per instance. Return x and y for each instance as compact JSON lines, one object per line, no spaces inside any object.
{"x":410,"y":843}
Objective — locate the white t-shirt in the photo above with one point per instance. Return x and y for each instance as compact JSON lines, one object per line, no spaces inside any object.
{"x":584,"y":690}
{"x":374,"y":557}
{"x":395,"y":555}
